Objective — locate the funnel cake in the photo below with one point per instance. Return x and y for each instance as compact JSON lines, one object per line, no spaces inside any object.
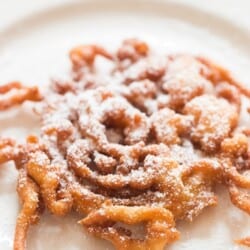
{"x":143,"y":144}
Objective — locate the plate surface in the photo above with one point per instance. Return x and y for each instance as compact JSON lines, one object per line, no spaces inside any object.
{"x":34,"y":47}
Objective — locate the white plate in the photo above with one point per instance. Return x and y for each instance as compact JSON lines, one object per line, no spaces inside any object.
{"x":34,"y":41}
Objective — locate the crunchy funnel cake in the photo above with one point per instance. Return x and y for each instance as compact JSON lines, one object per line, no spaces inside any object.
{"x":144,"y":143}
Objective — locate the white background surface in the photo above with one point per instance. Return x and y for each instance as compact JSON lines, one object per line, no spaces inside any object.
{"x":34,"y":39}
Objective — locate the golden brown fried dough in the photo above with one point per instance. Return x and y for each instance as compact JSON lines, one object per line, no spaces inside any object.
{"x":144,"y":145}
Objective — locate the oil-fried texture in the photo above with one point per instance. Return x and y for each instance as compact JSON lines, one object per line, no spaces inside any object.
{"x":159,"y":226}
{"x":144,"y":143}
{"x":14,"y":93}
{"x":28,"y":192}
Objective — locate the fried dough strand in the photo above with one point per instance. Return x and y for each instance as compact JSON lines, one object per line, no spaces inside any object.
{"x":239,"y":198}
{"x":213,"y":123}
{"x":218,"y":74}
{"x":160,"y":226}
{"x":58,"y":199}
{"x":28,"y":192}
{"x":14,"y":94}
{"x":7,"y":152}
{"x":244,"y":241}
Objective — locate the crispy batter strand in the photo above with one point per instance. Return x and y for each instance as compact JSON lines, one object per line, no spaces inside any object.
{"x":217,"y":74}
{"x":28,"y":192}
{"x":213,"y":123}
{"x":160,"y":226}
{"x":57,"y":198}
{"x":7,"y":152}
{"x":244,"y":241}
{"x":132,"y":49}
{"x":240,"y":199}
{"x":15,"y":93}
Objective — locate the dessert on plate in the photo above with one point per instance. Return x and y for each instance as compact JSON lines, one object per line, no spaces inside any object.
{"x":144,"y":142}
